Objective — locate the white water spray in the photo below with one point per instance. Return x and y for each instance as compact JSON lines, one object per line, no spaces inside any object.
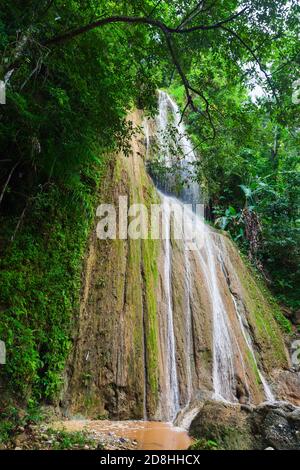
{"x":226,"y":350}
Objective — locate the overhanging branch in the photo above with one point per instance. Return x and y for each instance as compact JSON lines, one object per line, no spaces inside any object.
{"x":138,"y":20}
{"x":167,"y":31}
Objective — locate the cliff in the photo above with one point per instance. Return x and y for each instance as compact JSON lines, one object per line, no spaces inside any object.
{"x":118,"y":365}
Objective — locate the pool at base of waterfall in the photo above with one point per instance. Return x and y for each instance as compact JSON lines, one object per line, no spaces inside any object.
{"x":149,"y":435}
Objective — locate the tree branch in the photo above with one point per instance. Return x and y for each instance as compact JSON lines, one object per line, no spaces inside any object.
{"x":180,"y":71}
{"x":249,"y":49}
{"x":191,"y":14}
{"x":168,"y":32}
{"x":137,"y":20}
{"x":8,"y":180}
{"x":154,"y":8}
{"x":188,"y":88}
{"x":217,"y":25}
{"x":183,"y":112}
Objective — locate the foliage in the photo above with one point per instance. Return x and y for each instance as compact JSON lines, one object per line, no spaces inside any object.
{"x":65,"y":111}
{"x":12,"y":418}
{"x":64,"y":440}
{"x":251,"y":162}
{"x":40,"y":282}
{"x":203,"y":444}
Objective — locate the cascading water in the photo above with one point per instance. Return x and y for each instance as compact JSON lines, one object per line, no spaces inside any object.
{"x":223,"y":366}
{"x":227,"y":339}
{"x":176,"y":148}
{"x":223,"y":370}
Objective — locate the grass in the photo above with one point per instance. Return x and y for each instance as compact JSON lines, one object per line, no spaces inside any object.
{"x":203,"y":444}
{"x":63,"y":440}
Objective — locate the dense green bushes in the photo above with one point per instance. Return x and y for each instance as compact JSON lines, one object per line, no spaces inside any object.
{"x":66,"y":110}
{"x":40,"y":284}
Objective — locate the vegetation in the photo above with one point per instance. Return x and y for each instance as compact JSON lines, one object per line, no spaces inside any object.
{"x":64,"y":440}
{"x":65,"y":110}
{"x":12,"y":420}
{"x":249,"y":165}
{"x":15,"y":423}
{"x":220,"y":437}
{"x":202,"y":444}
{"x":72,"y":71}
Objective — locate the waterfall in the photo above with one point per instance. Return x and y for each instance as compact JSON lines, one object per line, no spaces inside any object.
{"x":176,"y":148}
{"x":223,"y":366}
{"x":230,"y":337}
{"x":223,"y":354}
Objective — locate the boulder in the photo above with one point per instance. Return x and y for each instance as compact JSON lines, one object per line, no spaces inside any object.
{"x":287,"y":385}
{"x":225,"y":424}
{"x":236,"y":427}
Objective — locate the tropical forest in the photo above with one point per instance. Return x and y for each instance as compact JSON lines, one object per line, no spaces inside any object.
{"x":149,"y":228}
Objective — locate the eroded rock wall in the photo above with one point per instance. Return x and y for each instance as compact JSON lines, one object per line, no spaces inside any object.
{"x":114,"y":364}
{"x":117,"y":366}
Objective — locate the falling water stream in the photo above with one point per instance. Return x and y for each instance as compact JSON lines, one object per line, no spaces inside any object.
{"x":225,"y":341}
{"x":243,"y":324}
{"x":203,"y":246}
{"x":208,"y":254}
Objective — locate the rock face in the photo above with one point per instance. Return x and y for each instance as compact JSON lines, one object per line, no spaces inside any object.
{"x":238,"y":427}
{"x":114,"y":364}
{"x":287,"y":385}
{"x":117,"y":366}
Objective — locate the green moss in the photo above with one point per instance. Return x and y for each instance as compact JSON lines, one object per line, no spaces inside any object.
{"x":262,"y":314}
{"x":40,"y":281}
{"x":117,"y":170}
{"x":283,"y":322}
{"x":203,"y":444}
{"x":150,"y":251}
{"x":253,"y":366}
{"x":222,"y":437}
{"x":119,"y":247}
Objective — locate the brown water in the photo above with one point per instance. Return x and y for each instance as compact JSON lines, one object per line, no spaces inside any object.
{"x":149,"y":435}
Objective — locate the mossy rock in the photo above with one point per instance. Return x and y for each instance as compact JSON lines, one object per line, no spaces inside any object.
{"x":221,"y":426}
